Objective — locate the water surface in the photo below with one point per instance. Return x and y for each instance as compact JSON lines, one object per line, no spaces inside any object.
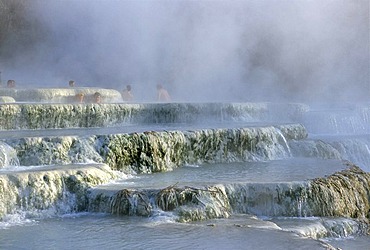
{"x":101,"y":231}
{"x":285,"y":170}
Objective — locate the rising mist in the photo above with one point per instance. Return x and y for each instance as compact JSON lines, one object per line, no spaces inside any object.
{"x":199,"y":50}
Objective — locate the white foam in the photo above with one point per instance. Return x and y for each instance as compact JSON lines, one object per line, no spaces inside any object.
{"x":191,"y":166}
{"x":17,"y":219}
{"x":159,"y":216}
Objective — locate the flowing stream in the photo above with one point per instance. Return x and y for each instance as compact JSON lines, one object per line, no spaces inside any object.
{"x":184,"y":176}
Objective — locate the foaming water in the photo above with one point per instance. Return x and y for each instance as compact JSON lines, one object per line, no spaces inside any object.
{"x":320,"y":227}
{"x":8,"y":156}
{"x":18,"y":219}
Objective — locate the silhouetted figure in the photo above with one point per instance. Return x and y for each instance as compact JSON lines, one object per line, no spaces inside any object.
{"x":163,"y":95}
{"x":127,"y":95}
{"x":10,"y":84}
{"x":71,"y":83}
{"x":80,"y":98}
{"x":97,"y":97}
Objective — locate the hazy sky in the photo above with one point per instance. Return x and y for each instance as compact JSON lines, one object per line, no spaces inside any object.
{"x":248,"y":50}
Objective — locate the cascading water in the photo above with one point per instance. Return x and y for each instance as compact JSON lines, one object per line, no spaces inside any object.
{"x":285,"y":142}
{"x":165,"y":165}
{"x":8,"y":156}
{"x":350,"y":119}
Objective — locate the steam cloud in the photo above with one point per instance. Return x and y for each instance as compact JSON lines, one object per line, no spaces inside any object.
{"x":210,"y":50}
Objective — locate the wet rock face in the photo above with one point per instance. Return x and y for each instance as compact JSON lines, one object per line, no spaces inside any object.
{"x":162,"y":151}
{"x":45,"y":116}
{"x":189,"y":204}
{"x":344,"y":194}
{"x":333,"y":196}
{"x":8,"y":156}
{"x":55,"y":150}
{"x":314,"y":148}
{"x":59,"y":95}
{"x":268,"y":199}
{"x":60,"y":190}
{"x":145,"y":152}
{"x":6,"y":99}
{"x":293,"y":111}
{"x":293,"y":131}
{"x":130,"y":202}
{"x":156,"y":151}
{"x":88,"y":114}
